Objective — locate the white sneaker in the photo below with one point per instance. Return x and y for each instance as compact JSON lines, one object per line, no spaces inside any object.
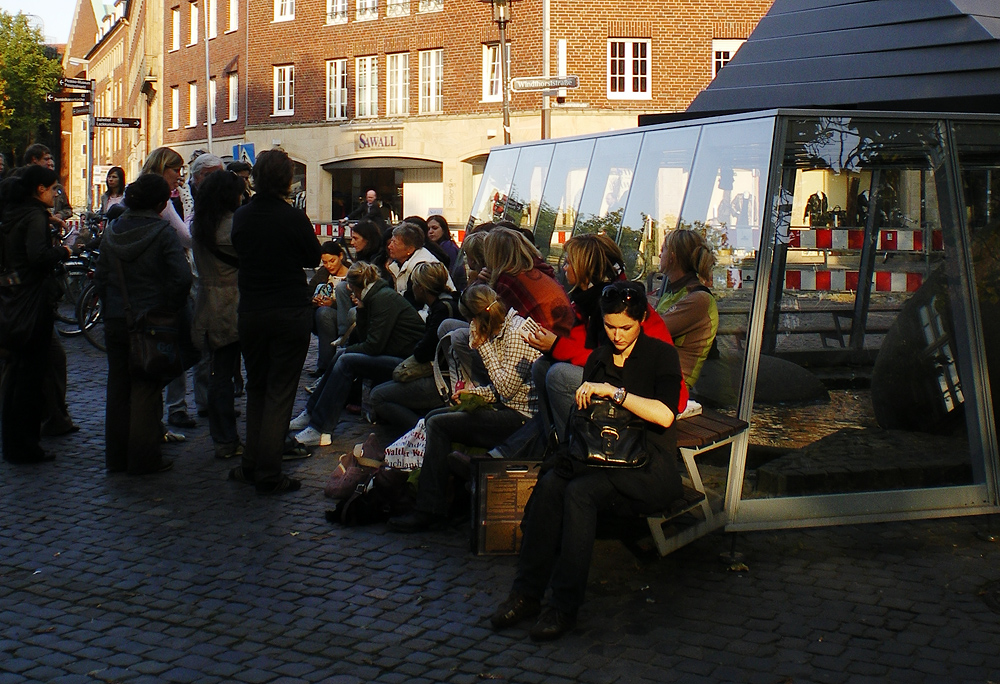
{"x":313,"y":437}
{"x":300,"y":421}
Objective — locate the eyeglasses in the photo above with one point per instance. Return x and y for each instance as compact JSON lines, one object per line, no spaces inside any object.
{"x":621,"y":293}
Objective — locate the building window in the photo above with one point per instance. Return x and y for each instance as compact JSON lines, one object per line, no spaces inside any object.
{"x":431,"y":78}
{"x":194,"y":24}
{"x":722,"y":52}
{"x":284,"y":90}
{"x":336,"y":11}
{"x":397,"y":8}
{"x":430,"y":6}
{"x":628,"y":69}
{"x":492,"y":90}
{"x":366,"y":86}
{"x":234,"y":15}
{"x":212,"y":7}
{"x":366,"y":10}
{"x":284,"y":10}
{"x":234,"y":96}
{"x":192,"y":104}
{"x":336,"y":89}
{"x":211,"y":99}
{"x":397,"y":100}
{"x":175,"y":108}
{"x":175,"y":18}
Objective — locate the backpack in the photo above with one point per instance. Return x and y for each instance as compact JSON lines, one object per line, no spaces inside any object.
{"x":388,"y":493}
{"x":449,"y":373}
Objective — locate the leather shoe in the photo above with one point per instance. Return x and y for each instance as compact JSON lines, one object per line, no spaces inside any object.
{"x":37,"y":457}
{"x":416,"y":521}
{"x":551,"y":625}
{"x":516,"y":608}
{"x":182,"y":420}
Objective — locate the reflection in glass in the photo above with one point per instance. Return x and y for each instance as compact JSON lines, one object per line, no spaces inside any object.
{"x":654,"y":201}
{"x":492,"y":198}
{"x":608,"y":183}
{"x":561,"y":197}
{"x":859,"y":384}
{"x":526,"y":188}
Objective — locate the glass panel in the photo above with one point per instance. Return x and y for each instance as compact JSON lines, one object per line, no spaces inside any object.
{"x":561,"y":197}
{"x":526,"y":190}
{"x":608,"y":183}
{"x":860,"y":381}
{"x":492,"y":197}
{"x":979,"y":166}
{"x":654,"y":200}
{"x":723,"y":202}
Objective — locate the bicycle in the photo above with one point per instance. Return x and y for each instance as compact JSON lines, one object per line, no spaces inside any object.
{"x":88,"y":313}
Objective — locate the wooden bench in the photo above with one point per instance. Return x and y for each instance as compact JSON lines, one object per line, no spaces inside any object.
{"x":695,"y":435}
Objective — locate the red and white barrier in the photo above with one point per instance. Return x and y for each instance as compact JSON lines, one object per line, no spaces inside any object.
{"x":851,"y":238}
{"x":331,"y":230}
{"x":847,"y":281}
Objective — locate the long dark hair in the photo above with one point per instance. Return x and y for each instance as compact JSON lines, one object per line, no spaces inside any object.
{"x":20,"y":189}
{"x":373,"y":236}
{"x":120,"y":172}
{"x":219,"y":194}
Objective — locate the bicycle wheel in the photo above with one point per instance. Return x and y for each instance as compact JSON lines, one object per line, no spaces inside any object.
{"x":67,"y":323}
{"x":88,"y":313}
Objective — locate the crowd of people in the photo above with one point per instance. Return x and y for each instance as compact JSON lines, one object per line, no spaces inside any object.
{"x":231,"y":257}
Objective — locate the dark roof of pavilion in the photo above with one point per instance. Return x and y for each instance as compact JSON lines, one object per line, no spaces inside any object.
{"x":902,"y":55}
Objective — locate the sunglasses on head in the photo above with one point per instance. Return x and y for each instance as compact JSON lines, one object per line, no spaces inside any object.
{"x":618,"y":293}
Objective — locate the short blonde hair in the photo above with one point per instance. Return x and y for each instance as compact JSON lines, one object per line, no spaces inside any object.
{"x":593,"y":258}
{"x":474,"y":249}
{"x":161,"y":159}
{"x":508,"y":251}
{"x":481,"y":304}
{"x":692,"y":252}
{"x":430,"y":275}
{"x":362,"y":274}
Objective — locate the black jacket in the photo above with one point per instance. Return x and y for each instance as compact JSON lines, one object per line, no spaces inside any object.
{"x":27,"y":242}
{"x":387,"y":324}
{"x":157,"y":273}
{"x":443,"y":308}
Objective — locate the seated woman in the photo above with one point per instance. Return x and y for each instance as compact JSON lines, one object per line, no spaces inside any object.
{"x":400,"y":404}
{"x":389,"y":329}
{"x":366,"y":241}
{"x":332,"y":272}
{"x":642,"y":375}
{"x":687,"y":305}
{"x":498,"y":335}
{"x":439,"y":233}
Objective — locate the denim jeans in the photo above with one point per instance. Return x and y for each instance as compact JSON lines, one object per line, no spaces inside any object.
{"x":344,"y":306}
{"x":325,"y":325}
{"x":482,"y":428}
{"x":401,"y":404}
{"x":561,"y":383}
{"x":275,"y":343}
{"x":176,"y":393}
{"x":222,"y":395}
{"x":330,"y":396}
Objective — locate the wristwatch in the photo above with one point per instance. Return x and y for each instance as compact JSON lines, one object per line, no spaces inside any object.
{"x":619,"y":396}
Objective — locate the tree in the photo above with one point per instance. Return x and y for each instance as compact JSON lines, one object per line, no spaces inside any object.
{"x":27,"y":72}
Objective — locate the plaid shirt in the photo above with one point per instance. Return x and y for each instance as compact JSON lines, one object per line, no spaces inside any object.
{"x":508,"y":360}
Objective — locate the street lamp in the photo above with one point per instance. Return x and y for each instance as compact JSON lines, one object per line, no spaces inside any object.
{"x":501,"y":16}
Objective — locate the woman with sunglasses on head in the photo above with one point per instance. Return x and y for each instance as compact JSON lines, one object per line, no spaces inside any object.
{"x":165,"y":162}
{"x":637,"y":373}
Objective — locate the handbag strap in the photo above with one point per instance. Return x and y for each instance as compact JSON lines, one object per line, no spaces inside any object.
{"x":129,"y":319}
{"x":227,"y":259}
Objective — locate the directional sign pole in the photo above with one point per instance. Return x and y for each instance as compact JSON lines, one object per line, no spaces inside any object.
{"x":90,"y":148}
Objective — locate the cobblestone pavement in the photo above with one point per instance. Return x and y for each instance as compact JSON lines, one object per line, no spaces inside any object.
{"x":185,"y":577}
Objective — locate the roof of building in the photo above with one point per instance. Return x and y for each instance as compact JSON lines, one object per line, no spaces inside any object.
{"x":931,"y":55}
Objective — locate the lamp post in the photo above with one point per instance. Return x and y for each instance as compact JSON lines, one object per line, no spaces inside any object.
{"x":501,"y":17}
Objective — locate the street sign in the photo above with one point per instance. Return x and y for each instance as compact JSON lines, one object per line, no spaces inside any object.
{"x":117,"y":122}
{"x":525,"y":85}
{"x":245,"y":152}
{"x":77,"y":83}
{"x":67,"y":97}
{"x":81,"y":111}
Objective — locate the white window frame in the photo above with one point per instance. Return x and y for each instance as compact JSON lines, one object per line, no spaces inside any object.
{"x":234,"y":96}
{"x":431,"y":81}
{"x":366,"y":87}
{"x":284,"y":90}
{"x":397,"y":8}
{"x":723,"y":50}
{"x":622,"y":86}
{"x":192,"y":105}
{"x":430,"y":6}
{"x":212,"y":108}
{"x":366,"y":10}
{"x":175,"y":108}
{"x":234,"y":16}
{"x":336,"y":12}
{"x":193,"y":28}
{"x":397,"y":84}
{"x":284,"y":10}
{"x":212,"y":6}
{"x":175,"y":18}
{"x":492,"y":87}
{"x":336,"y":89}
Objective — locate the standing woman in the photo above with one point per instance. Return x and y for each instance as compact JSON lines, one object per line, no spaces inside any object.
{"x":116,"y":189}
{"x":439,"y":233}
{"x":642,"y":375}
{"x":28,"y":291}
{"x":141,"y":247}
{"x":165,"y":162}
{"x":214,"y":326}
{"x":274,"y":242}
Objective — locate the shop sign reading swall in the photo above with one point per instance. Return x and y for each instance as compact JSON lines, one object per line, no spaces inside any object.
{"x":373,"y":141}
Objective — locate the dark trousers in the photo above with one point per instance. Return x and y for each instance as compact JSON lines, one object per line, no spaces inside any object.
{"x":560,"y":524}
{"x":57,"y":420}
{"x":133,"y":434}
{"x":222,"y":394}
{"x":483,"y":428}
{"x":275,"y":343}
{"x":24,"y":394}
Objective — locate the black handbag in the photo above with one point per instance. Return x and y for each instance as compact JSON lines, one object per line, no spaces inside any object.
{"x":607,"y":435}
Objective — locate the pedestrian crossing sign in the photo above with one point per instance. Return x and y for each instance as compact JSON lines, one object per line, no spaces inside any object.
{"x":245,"y":153}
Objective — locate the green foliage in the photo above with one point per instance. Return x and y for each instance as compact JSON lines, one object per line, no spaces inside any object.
{"x":28,"y":71}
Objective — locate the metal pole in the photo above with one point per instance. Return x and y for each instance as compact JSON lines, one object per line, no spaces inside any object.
{"x":546,"y":70}
{"x":208,"y":79}
{"x":90,"y":148}
{"x":502,"y":25}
